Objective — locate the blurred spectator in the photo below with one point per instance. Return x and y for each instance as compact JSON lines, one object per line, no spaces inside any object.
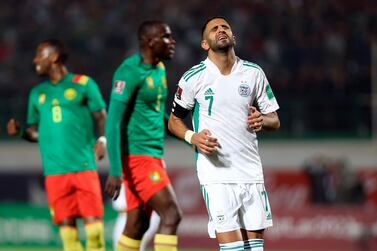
{"x":333,"y":182}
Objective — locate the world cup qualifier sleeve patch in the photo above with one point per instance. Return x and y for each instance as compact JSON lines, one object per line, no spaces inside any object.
{"x":179,"y":92}
{"x":119,"y":86}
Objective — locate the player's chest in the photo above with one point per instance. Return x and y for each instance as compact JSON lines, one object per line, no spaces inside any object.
{"x":153,"y":87}
{"x":225,"y":90}
{"x":66,"y":96}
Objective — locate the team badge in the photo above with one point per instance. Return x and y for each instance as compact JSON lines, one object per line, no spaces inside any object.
{"x":70,"y":93}
{"x":150,"y":82}
{"x":52,"y":212}
{"x":55,"y":102}
{"x":155,"y":176}
{"x":220,"y":218}
{"x":179,"y":92}
{"x":119,"y":86}
{"x":244,"y":90}
{"x":42,"y":98}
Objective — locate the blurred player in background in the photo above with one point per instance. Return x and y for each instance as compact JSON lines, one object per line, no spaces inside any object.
{"x":62,"y":112}
{"x":222,"y":90}
{"x":135,"y":129}
{"x":120,"y":205}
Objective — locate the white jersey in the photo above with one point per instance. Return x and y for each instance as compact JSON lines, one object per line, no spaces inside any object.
{"x":221,"y":105}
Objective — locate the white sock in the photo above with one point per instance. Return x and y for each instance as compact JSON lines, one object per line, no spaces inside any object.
{"x":149,"y":235}
{"x":232,"y":246}
{"x":119,"y":226}
{"x":254,"y":245}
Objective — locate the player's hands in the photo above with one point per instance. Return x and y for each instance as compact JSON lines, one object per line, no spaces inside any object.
{"x":112,"y":187}
{"x":13,"y":127}
{"x":99,"y":150}
{"x":204,"y":142}
{"x":254,"y":120}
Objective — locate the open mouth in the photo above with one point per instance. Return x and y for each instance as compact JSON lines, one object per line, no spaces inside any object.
{"x":222,"y":37}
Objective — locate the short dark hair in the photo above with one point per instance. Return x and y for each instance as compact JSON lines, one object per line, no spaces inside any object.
{"x":209,"y":20}
{"x":59,"y":47}
{"x":146,"y":27}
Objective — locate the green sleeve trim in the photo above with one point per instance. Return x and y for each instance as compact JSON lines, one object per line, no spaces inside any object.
{"x":193,"y":69}
{"x":190,"y":75}
{"x":112,"y":131}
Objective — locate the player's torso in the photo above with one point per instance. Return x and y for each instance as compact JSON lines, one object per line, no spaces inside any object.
{"x":62,"y":104}
{"x":146,"y":128}
{"x":222,"y":107}
{"x":224,"y":102}
{"x":152,"y":92}
{"x":65,"y":125}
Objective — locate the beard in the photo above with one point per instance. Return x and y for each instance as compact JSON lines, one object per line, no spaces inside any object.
{"x":222,"y":45}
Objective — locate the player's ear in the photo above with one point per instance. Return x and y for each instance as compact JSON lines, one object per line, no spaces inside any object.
{"x":54,"y":57}
{"x":204,"y":45}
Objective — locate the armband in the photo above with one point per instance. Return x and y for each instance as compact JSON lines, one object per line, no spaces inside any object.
{"x":179,"y":111}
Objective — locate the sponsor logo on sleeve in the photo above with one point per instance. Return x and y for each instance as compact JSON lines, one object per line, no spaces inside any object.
{"x":119,"y":86}
{"x":269,"y":92}
{"x":179,"y":92}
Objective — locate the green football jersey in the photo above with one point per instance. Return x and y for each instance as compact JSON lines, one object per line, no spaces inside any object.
{"x":62,"y":113}
{"x":143,"y":88}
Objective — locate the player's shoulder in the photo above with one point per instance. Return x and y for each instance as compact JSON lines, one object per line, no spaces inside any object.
{"x":194,"y":72}
{"x":129,"y":64}
{"x":40,"y":87}
{"x":81,"y":79}
{"x":250,"y":66}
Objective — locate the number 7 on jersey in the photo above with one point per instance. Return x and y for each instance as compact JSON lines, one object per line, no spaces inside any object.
{"x":210,"y":98}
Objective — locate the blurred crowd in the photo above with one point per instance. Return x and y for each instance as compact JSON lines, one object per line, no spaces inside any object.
{"x":332,"y":181}
{"x":316,"y":54}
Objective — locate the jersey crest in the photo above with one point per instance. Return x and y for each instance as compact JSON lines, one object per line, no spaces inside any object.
{"x":244,"y":90}
{"x":155,"y":176}
{"x":70,"y":94}
{"x":80,"y":79}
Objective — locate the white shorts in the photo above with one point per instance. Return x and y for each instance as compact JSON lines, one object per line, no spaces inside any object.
{"x":236,"y":206}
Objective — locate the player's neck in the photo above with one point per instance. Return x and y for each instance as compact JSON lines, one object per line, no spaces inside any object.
{"x":57,"y":72}
{"x":223,"y":60}
{"x":149,"y":58}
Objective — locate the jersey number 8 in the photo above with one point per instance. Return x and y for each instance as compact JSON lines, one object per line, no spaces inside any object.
{"x":56,"y":114}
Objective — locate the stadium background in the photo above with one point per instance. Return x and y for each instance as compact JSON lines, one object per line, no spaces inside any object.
{"x":320,"y":58}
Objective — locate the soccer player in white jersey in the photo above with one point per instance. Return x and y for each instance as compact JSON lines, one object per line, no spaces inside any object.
{"x":224,"y":92}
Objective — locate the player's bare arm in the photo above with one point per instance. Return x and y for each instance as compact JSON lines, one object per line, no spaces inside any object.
{"x":14,"y":129}
{"x":112,"y":187}
{"x":100,"y":146}
{"x":202,"y":140}
{"x":257,"y":121}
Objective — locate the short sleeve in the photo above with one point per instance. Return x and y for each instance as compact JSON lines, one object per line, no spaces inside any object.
{"x":95,"y":99}
{"x":264,"y":96}
{"x":126,"y":80}
{"x":185,"y":94}
{"x":32,"y":111}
